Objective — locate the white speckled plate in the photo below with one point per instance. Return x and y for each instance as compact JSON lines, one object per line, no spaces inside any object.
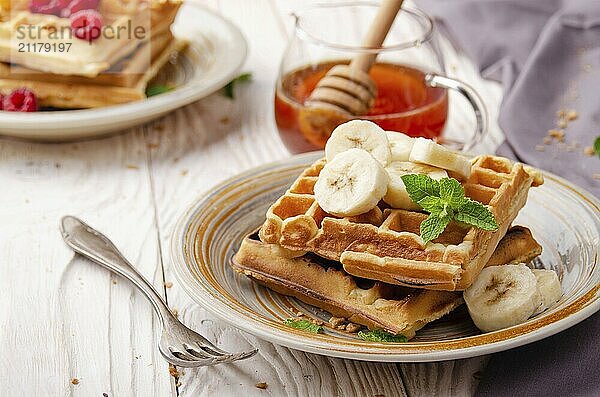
{"x":563,"y":218}
{"x":214,"y":57}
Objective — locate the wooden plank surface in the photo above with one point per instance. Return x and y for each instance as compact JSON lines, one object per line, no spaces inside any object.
{"x":63,"y":318}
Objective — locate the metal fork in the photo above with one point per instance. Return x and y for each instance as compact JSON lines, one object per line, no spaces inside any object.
{"x":178,"y":344}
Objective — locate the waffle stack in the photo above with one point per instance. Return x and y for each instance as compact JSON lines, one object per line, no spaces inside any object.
{"x":384,"y":244}
{"x":115,"y":68}
{"x":323,"y":283}
{"x":376,"y":268}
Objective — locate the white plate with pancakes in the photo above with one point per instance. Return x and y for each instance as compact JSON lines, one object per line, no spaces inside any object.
{"x":214,"y":55}
{"x":563,"y":218}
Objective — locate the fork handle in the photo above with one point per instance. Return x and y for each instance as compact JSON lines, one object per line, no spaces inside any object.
{"x":92,"y":244}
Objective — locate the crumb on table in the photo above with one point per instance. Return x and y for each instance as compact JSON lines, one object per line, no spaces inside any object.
{"x":261,"y":385}
{"x":547,"y":140}
{"x":557,"y":134}
{"x":75,"y":381}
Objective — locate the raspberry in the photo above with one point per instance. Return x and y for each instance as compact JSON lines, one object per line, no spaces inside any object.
{"x":51,"y":7}
{"x":74,"y":6}
{"x":20,"y":100}
{"x":86,"y":25}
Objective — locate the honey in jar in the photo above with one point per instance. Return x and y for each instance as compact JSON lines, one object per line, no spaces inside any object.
{"x":404,"y":103}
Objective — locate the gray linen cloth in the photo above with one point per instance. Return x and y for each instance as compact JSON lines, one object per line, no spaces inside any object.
{"x":546,"y":53}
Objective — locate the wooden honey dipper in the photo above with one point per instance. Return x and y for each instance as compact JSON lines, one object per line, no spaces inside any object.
{"x":348,"y":88}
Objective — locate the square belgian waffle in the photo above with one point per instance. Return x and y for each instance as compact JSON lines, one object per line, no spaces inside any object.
{"x":384,"y":244}
{"x":323,"y":283}
{"x":124,"y":84}
{"x":83,"y":58}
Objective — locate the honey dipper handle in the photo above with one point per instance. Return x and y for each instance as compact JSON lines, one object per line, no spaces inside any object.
{"x":377,"y":32}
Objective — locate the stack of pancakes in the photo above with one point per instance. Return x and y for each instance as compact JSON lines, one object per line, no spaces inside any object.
{"x":374,"y":269}
{"x":115,"y":68}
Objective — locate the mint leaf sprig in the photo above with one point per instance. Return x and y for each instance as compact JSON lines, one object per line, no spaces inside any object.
{"x":158,"y":89}
{"x":379,"y":335}
{"x":229,"y":91}
{"x":445,"y":201}
{"x":304,"y":325}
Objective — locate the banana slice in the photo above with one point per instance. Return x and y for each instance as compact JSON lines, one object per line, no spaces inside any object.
{"x":502,"y":296}
{"x":361,"y":134}
{"x":396,"y":195}
{"x":351,"y":184}
{"x":400,"y":145}
{"x":549,"y":287}
{"x":428,"y":152}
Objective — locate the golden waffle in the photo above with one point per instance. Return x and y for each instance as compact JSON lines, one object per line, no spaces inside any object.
{"x":76,"y":92}
{"x":384,"y":244}
{"x":126,"y":73}
{"x":322,"y":283}
{"x":83,"y":58}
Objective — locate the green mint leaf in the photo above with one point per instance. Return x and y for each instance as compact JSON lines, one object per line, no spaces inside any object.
{"x":433,"y":205}
{"x":451,"y":192}
{"x":379,"y":335}
{"x":157,"y":90}
{"x":228,"y":90}
{"x":597,"y":145}
{"x":420,"y":186}
{"x":445,"y":201}
{"x":476,"y":214}
{"x":304,"y":325}
{"x":433,"y":226}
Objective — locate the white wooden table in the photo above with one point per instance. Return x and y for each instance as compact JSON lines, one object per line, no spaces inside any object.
{"x":63,"y":318}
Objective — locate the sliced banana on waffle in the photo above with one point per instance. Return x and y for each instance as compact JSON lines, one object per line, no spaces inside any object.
{"x":397,"y":196}
{"x":502,"y":296}
{"x":352,"y":183}
{"x":549,"y":286}
{"x":428,"y":152}
{"x":360,"y":134}
{"x":400,"y":145}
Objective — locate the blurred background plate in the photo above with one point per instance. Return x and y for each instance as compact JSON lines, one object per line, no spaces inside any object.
{"x":216,"y":52}
{"x":564,"y":219}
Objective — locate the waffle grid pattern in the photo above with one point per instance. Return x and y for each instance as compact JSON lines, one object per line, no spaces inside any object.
{"x":384,"y":244}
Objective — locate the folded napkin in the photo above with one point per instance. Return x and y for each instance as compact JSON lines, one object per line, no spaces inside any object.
{"x":546,"y":53}
{"x":566,"y":364}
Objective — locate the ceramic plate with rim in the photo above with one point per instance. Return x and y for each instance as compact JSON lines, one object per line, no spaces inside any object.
{"x":214,"y":57}
{"x":563,"y":218}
